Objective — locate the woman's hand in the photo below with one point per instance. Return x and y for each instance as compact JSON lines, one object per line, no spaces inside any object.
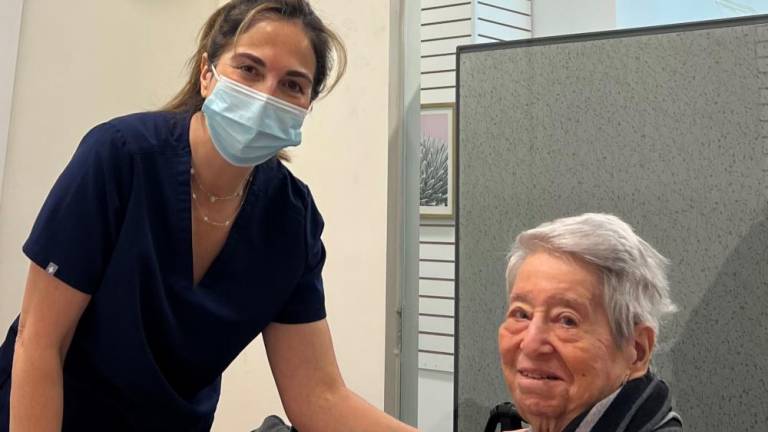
{"x":50,"y":312}
{"x":314,"y":395}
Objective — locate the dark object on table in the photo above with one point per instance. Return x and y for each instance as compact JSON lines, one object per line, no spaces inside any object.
{"x":274,"y":423}
{"x":506,"y":415}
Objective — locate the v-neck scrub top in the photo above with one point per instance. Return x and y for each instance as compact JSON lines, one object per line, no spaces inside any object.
{"x":150,"y":348}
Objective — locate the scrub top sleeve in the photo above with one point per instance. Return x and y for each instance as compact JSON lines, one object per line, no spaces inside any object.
{"x":77,"y":227}
{"x":307,"y":301}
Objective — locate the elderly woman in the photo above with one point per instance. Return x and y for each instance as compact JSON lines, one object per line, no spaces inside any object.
{"x":586,"y":295}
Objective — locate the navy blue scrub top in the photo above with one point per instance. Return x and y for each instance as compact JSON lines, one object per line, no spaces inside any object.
{"x":150,"y":348}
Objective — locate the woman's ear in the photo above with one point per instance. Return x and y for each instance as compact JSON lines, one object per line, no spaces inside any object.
{"x":643,"y":342}
{"x":206,"y":74}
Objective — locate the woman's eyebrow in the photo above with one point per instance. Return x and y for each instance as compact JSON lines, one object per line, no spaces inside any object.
{"x":250,"y":57}
{"x":300,"y":74}
{"x":261,"y":63}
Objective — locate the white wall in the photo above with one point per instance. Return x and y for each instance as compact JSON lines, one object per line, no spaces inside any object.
{"x":556,"y":17}
{"x":10,"y":23}
{"x":436,"y":390}
{"x":84,"y":61}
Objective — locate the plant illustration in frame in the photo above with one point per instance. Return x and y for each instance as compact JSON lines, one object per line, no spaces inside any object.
{"x":436,"y":165}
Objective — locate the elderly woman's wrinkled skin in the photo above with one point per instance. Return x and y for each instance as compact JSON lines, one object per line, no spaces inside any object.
{"x":557,"y":350}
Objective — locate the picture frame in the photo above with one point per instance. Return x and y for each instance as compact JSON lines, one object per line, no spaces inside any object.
{"x":437,"y":145}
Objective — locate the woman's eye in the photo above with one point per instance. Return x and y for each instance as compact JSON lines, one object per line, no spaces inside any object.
{"x":294,"y":87}
{"x":248,"y":69}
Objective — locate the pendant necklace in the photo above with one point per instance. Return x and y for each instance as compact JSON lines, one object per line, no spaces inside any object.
{"x":240,"y":193}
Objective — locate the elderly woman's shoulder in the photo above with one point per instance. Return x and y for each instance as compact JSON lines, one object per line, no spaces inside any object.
{"x":671,"y":423}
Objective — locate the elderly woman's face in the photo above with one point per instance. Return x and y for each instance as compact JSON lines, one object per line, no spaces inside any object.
{"x":557,"y":351}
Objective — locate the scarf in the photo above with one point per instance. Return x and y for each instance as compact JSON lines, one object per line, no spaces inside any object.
{"x":641,"y":405}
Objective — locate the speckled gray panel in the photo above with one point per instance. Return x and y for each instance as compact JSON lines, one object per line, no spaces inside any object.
{"x":667,"y":131}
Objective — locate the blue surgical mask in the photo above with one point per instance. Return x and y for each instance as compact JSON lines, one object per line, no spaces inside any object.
{"x":248,"y":127}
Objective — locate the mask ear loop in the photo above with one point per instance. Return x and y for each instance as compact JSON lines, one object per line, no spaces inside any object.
{"x":215,"y":72}
{"x":213,"y":68}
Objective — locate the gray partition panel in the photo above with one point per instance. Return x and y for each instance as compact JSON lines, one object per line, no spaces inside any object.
{"x":665,"y":128}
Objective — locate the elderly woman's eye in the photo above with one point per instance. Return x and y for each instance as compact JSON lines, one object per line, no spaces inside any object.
{"x":519,"y":314}
{"x":568,"y":321}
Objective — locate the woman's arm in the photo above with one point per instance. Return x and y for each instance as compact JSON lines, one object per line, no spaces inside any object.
{"x":50,"y":312}
{"x":314,"y":395}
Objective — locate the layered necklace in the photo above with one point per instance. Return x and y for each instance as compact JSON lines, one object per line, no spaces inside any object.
{"x":212,"y":198}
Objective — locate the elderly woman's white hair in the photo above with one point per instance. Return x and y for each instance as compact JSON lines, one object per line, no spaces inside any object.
{"x":635,"y":285}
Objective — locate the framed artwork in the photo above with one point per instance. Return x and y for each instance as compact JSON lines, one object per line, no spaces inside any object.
{"x":437,"y":144}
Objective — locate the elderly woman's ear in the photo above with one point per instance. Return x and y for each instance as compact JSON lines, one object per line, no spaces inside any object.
{"x":642,"y":348}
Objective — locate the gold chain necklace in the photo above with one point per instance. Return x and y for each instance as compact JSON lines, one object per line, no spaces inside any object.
{"x":213,"y":198}
{"x":240,"y":193}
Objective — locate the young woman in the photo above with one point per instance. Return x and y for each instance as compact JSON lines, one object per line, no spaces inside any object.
{"x":173,"y":238}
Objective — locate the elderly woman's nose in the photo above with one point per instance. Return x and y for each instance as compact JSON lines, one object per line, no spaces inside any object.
{"x":536,"y":339}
